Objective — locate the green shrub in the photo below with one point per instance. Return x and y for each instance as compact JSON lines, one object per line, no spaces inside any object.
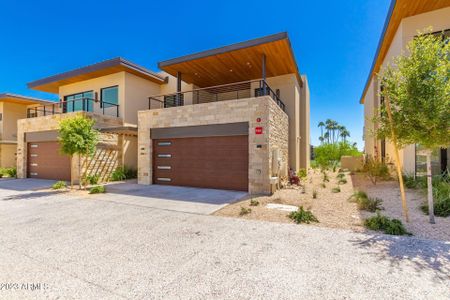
{"x":336,"y":190}
{"x":59,"y":185}
{"x":314,"y":194}
{"x":254,"y":202}
{"x":441,"y":197}
{"x":328,"y":155}
{"x":302,"y":216}
{"x":97,"y":189}
{"x":92,"y":179}
{"x":376,"y":170}
{"x":8,"y":172}
{"x":245,"y":211}
{"x":364,"y":202}
{"x":302,"y":173}
{"x":122,"y":173}
{"x":342,"y":181}
{"x":386,"y":225}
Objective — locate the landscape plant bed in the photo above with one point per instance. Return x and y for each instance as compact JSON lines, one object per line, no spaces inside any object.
{"x":330,"y":208}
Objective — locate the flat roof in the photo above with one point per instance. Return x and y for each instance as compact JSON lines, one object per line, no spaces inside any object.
{"x":9,"y":97}
{"x":51,"y":84}
{"x":398,"y":10}
{"x":236,"y":62}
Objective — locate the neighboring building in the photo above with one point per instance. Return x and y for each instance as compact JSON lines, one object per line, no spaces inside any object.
{"x":111,"y":93}
{"x":240,"y":122}
{"x":404,"y":19}
{"x":12,"y":108}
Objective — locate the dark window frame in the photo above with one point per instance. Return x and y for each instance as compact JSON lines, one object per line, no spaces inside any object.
{"x":80,"y":93}
{"x":105,"y":88}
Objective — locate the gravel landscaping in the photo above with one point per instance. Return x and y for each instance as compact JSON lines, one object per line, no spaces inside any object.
{"x":79,"y":248}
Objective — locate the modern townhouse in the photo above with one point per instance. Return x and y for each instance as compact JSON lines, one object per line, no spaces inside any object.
{"x":235,"y":117}
{"x":404,"y":19}
{"x":12,"y":108}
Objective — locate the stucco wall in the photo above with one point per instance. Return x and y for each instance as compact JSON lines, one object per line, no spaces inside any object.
{"x":107,"y":157}
{"x":273,"y":120}
{"x":8,"y":155}
{"x":305,"y":140}
{"x":439,"y":20}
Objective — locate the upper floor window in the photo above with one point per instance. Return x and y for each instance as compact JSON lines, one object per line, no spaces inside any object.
{"x":79,"y":102}
{"x":109,"y":96}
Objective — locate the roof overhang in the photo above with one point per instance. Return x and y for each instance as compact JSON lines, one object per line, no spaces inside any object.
{"x":51,"y":84}
{"x":398,"y":10}
{"x":14,"y":98}
{"x":236,"y":62}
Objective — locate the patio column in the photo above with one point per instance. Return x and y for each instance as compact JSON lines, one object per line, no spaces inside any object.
{"x":264,"y":74}
{"x":178,"y":98}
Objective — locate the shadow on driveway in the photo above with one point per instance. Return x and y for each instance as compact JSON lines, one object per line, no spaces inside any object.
{"x":423,"y":254}
{"x":26,"y":184}
{"x":32,"y":195}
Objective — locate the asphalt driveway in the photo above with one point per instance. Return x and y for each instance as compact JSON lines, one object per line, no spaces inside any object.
{"x":85,"y":248}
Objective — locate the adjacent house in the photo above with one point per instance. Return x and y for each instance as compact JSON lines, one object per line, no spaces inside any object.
{"x":111,"y":93}
{"x":404,"y":19}
{"x":240,"y":122}
{"x":235,"y":117}
{"x":12,"y":108}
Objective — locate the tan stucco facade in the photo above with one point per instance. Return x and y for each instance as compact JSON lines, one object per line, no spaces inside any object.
{"x":439,"y":20}
{"x":275,"y":135}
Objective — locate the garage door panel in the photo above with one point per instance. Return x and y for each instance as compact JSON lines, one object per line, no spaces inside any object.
{"x":46,"y":162}
{"x":212,"y":162}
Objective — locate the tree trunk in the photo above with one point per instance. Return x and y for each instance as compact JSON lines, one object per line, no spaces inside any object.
{"x":71,"y":177}
{"x":430,"y":188}
{"x":397,"y":161}
{"x":79,"y":172}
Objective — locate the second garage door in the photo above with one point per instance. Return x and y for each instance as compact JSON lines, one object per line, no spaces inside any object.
{"x":46,"y":162}
{"x":219,"y":162}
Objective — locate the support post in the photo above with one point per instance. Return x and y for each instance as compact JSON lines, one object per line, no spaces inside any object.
{"x":264,"y":74}
{"x":178,"y":98}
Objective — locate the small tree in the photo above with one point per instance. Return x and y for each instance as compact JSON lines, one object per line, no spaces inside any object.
{"x":77,"y":137}
{"x":416,"y":89}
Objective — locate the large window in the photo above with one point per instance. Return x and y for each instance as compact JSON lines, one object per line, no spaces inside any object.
{"x":110,"y":96}
{"x":78,"y":102}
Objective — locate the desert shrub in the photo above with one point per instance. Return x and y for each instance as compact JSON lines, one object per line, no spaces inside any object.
{"x":92,"y":179}
{"x":386,"y":225}
{"x":302,"y":173}
{"x":302,"y":216}
{"x":130,"y":173}
{"x":342,"y":181}
{"x":340,"y":176}
{"x":328,"y":155}
{"x":314,"y":194}
{"x":376,"y":170}
{"x":97,"y":189}
{"x":336,"y":190}
{"x":8,"y":172}
{"x":365,"y":202}
{"x":441,"y":195}
{"x":325,"y":177}
{"x":254,"y":202}
{"x":118,"y":174}
{"x":314,"y":164}
{"x":245,"y":211}
{"x":59,"y":185}
{"x":323,"y":185}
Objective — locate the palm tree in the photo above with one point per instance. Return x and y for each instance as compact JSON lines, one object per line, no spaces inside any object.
{"x":329,"y":128}
{"x":321,"y":125}
{"x":327,"y":136}
{"x":321,"y":139}
{"x":344,"y":134}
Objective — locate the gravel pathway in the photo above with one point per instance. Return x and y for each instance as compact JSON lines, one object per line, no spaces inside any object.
{"x":94,"y":249}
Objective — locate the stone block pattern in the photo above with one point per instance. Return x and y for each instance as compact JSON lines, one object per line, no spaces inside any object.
{"x":272,"y":119}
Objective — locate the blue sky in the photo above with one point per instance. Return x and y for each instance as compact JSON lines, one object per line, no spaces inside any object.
{"x":334,"y":41}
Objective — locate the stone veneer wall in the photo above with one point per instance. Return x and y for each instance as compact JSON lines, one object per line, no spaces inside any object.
{"x":108,"y":155}
{"x":273,"y":120}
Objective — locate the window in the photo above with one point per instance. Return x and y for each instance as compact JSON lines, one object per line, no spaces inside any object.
{"x":109,"y":96}
{"x":79,"y":102}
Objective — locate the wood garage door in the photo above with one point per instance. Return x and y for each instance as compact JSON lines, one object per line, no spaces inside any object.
{"x":219,"y":162}
{"x":46,"y":162}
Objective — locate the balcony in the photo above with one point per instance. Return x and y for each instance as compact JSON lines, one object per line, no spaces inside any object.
{"x":82,"y":104}
{"x":234,"y":91}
